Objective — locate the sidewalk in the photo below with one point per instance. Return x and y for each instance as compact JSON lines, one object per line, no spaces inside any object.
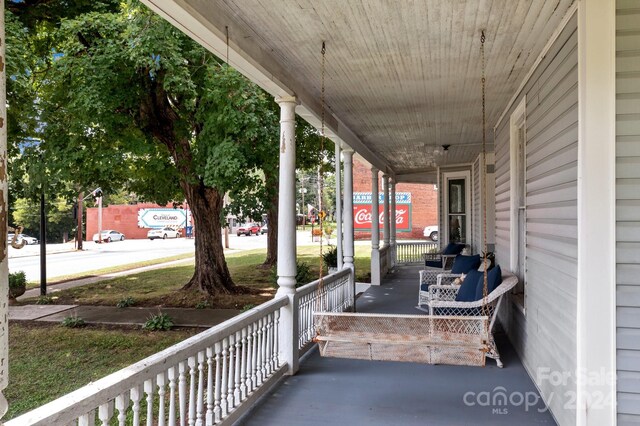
{"x":182,"y":317}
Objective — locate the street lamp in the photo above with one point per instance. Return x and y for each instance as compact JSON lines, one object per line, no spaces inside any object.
{"x":97,"y":195}
{"x":303,"y":191}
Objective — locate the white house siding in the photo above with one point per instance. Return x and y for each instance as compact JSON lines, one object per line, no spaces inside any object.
{"x":545,"y":336}
{"x":628,"y":209}
{"x":477,"y":220}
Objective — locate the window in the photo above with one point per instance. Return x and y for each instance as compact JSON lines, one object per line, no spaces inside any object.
{"x":456,"y":204}
{"x":518,"y":217}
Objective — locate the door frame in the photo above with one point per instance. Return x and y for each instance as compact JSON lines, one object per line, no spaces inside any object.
{"x":446,"y":177}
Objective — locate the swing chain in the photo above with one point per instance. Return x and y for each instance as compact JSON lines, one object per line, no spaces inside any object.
{"x":485,"y":289}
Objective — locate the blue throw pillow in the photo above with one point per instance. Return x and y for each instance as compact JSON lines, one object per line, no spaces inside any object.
{"x":463,"y":264}
{"x":494,"y":279}
{"x":453,"y":248}
{"x":433,"y":263}
{"x":467,"y":291}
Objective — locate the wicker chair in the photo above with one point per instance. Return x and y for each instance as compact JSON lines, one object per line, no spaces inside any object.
{"x":441,"y":300}
{"x":444,"y":259}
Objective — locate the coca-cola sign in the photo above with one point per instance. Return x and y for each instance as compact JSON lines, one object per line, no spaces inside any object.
{"x":362,"y":217}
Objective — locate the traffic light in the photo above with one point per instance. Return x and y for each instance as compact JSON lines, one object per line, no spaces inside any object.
{"x":97,"y":193}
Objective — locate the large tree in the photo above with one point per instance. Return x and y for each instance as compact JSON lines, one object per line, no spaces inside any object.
{"x":142,"y":97}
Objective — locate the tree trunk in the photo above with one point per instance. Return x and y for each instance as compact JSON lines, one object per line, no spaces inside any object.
{"x":271,"y":181}
{"x":211,"y":275}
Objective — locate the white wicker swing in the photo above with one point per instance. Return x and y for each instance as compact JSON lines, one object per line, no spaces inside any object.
{"x":433,"y":339}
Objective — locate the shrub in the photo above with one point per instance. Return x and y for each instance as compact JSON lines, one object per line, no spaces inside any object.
{"x":160,"y":322}
{"x":203,"y":304}
{"x":44,"y":300}
{"x":126,"y":302}
{"x":248,"y":306}
{"x":304,"y":275}
{"x":17,"y":284}
{"x":330,"y":257}
{"x":73,"y":322}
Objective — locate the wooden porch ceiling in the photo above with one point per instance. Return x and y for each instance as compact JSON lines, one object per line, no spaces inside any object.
{"x":402,"y":78}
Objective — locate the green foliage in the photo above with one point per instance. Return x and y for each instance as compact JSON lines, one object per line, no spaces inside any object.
{"x":160,"y":322}
{"x":17,"y":284}
{"x":330,"y":257}
{"x":126,"y":302}
{"x":17,"y":279}
{"x":303,"y":276}
{"x":45,"y":300}
{"x":59,"y":218}
{"x":248,"y":307}
{"x":73,"y":322}
{"x":203,"y":304}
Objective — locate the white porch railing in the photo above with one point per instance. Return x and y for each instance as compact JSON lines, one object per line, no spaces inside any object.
{"x":211,"y":378}
{"x":411,"y":252}
{"x":335,"y":295}
{"x":202,"y":380}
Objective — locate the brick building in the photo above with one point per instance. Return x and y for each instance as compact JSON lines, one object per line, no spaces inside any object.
{"x":124,"y":218}
{"x":416,"y":205}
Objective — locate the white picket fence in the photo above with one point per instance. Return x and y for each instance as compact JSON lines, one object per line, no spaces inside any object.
{"x":211,"y":378}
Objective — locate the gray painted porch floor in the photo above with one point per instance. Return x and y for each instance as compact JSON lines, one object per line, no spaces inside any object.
{"x":330,"y":391}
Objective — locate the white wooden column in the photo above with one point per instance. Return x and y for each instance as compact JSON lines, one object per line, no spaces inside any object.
{"x":375,"y":228}
{"x":4,"y":214}
{"x":385,"y":226}
{"x":393,"y":221}
{"x":287,"y":233}
{"x":339,"y":204}
{"x":596,"y":293}
{"x":348,"y":249}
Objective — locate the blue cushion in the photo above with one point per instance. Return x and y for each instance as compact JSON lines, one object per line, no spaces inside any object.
{"x":463,"y":264}
{"x":467,"y":291}
{"x":433,"y":263}
{"x":424,"y":287}
{"x":453,"y":248}
{"x":494,"y":279}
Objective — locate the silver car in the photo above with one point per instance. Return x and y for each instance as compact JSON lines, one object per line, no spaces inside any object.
{"x":108,"y":236}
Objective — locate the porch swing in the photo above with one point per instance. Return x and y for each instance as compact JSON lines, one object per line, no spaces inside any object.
{"x":431,"y":339}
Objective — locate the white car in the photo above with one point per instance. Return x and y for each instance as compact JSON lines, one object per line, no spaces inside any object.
{"x":22,"y":237}
{"x":109,"y":235}
{"x":431,"y":232}
{"x":163,"y":233}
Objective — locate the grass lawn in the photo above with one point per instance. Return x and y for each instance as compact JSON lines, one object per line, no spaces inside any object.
{"x":110,"y":270}
{"x":48,"y":361}
{"x":162,"y":287}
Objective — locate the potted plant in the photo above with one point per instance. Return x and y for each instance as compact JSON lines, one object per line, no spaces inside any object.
{"x":330,"y":259}
{"x":17,"y":284}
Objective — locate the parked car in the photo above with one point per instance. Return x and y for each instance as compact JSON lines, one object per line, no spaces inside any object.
{"x":27,"y":238}
{"x":248,"y":229}
{"x":264,"y":229}
{"x":163,"y":233}
{"x":22,"y":237}
{"x":109,"y":235}
{"x":431,"y":232}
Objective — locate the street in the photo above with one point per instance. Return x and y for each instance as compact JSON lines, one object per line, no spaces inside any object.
{"x":62,"y":259}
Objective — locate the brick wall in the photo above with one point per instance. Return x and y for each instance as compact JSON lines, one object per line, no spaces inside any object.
{"x":424,"y":202}
{"x":122,"y":218}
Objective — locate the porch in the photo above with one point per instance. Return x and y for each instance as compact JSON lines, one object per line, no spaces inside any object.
{"x":352,"y":392}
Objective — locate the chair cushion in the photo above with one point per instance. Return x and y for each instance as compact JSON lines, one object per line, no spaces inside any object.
{"x":433,"y":263}
{"x":463,"y":264}
{"x":494,"y":279}
{"x":467,"y":291}
{"x":424,"y":287}
{"x":453,"y":248}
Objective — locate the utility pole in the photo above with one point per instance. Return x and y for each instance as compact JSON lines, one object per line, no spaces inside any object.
{"x":43,"y":246}
{"x":79,"y":238}
{"x":99,"y":216}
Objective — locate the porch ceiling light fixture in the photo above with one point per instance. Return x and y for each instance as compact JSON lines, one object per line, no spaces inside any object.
{"x":446,"y":147}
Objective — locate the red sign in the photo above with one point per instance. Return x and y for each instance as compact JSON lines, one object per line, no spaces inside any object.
{"x":362,"y":217}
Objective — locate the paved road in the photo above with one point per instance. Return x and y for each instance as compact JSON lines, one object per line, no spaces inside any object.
{"x":63,"y":260}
